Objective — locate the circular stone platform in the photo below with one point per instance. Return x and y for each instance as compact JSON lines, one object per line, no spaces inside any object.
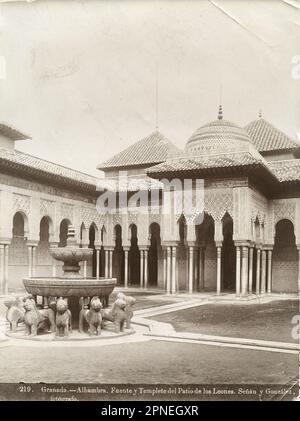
{"x":107,"y":333}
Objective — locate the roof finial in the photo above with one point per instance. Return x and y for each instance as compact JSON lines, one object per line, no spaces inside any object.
{"x":259,"y":114}
{"x":220,"y":114}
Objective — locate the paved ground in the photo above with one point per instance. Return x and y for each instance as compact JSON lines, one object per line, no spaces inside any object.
{"x":269,"y":321}
{"x":145,"y":362}
{"x":152,"y":361}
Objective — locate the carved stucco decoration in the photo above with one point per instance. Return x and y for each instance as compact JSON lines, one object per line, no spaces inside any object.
{"x":66,"y":210}
{"x":90,"y":216}
{"x":21,"y":203}
{"x":217,"y":203}
{"x":47,"y":207}
{"x":284,"y":211}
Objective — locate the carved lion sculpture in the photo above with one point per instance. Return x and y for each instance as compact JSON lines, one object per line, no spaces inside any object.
{"x":116,"y":314}
{"x":92,"y":316}
{"x":15,"y":312}
{"x":130,"y":301}
{"x":63,"y":318}
{"x":36,"y":319}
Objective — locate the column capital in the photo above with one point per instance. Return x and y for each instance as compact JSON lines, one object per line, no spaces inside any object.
{"x":126,"y":248}
{"x":7,"y":241}
{"x":109,"y":248}
{"x":219,"y":244}
{"x":242,"y":243}
{"x":32,"y":243}
{"x":170,"y":243}
{"x":192,"y":244}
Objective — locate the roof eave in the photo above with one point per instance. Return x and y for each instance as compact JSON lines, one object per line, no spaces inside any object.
{"x":46,"y":176}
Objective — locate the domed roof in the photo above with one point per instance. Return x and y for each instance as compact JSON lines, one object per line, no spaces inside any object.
{"x":218,"y":136}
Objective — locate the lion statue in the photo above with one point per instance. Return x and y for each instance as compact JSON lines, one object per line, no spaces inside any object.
{"x":15,"y":312}
{"x":130,"y":301}
{"x":36,"y":319}
{"x":116,"y":315}
{"x":93,"y":317}
{"x":63,"y":318}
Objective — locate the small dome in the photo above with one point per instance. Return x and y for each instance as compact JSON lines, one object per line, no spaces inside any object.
{"x":217,"y":137}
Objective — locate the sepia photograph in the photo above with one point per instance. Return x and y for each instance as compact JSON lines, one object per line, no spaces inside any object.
{"x":149,"y":202}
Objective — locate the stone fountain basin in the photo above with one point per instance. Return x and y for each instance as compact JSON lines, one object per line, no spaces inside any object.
{"x":71,"y":255}
{"x":76,"y":287}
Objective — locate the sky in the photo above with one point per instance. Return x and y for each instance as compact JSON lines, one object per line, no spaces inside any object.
{"x":80,"y":77}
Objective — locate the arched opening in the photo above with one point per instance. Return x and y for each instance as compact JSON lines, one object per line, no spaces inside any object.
{"x":285,"y":258}
{"x":18,"y":253}
{"x":43,"y":255}
{"x":154,"y":254}
{"x":63,"y":231}
{"x":228,"y":255}
{"x":118,"y":256}
{"x":84,"y":236}
{"x":92,"y":238}
{"x":134,"y":257}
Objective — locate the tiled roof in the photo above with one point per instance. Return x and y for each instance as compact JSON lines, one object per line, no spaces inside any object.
{"x":33,"y":165}
{"x":152,"y":149}
{"x":287,"y":170}
{"x":209,"y":162}
{"x":266,"y":137}
{"x":12,"y":133}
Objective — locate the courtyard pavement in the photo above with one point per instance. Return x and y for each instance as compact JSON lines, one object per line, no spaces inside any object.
{"x":179,"y":339}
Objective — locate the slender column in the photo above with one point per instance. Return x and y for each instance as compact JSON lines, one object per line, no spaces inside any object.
{"x":219,"y":266}
{"x":269,"y":287}
{"x":201,"y":263}
{"x":6,"y":257}
{"x":97,"y":263}
{"x":245,"y":263}
{"x":33,"y":261}
{"x":258,"y":271}
{"x":173,"y":280}
{"x":165,"y":267}
{"x":2,"y":268}
{"x":146,"y":268}
{"x":238,"y":271}
{"x":53,"y":267}
{"x":168,"y":284}
{"x":30,"y":261}
{"x":106,"y":263}
{"x":110,"y":263}
{"x":84,"y":269}
{"x":126,"y":268}
{"x":191,"y":269}
{"x":263,"y":271}
{"x":141,"y":268}
{"x":250,"y":269}
{"x":45,"y":302}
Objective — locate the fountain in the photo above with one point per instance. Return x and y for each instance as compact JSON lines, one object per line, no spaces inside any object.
{"x":69,"y":301}
{"x":71,"y":284}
